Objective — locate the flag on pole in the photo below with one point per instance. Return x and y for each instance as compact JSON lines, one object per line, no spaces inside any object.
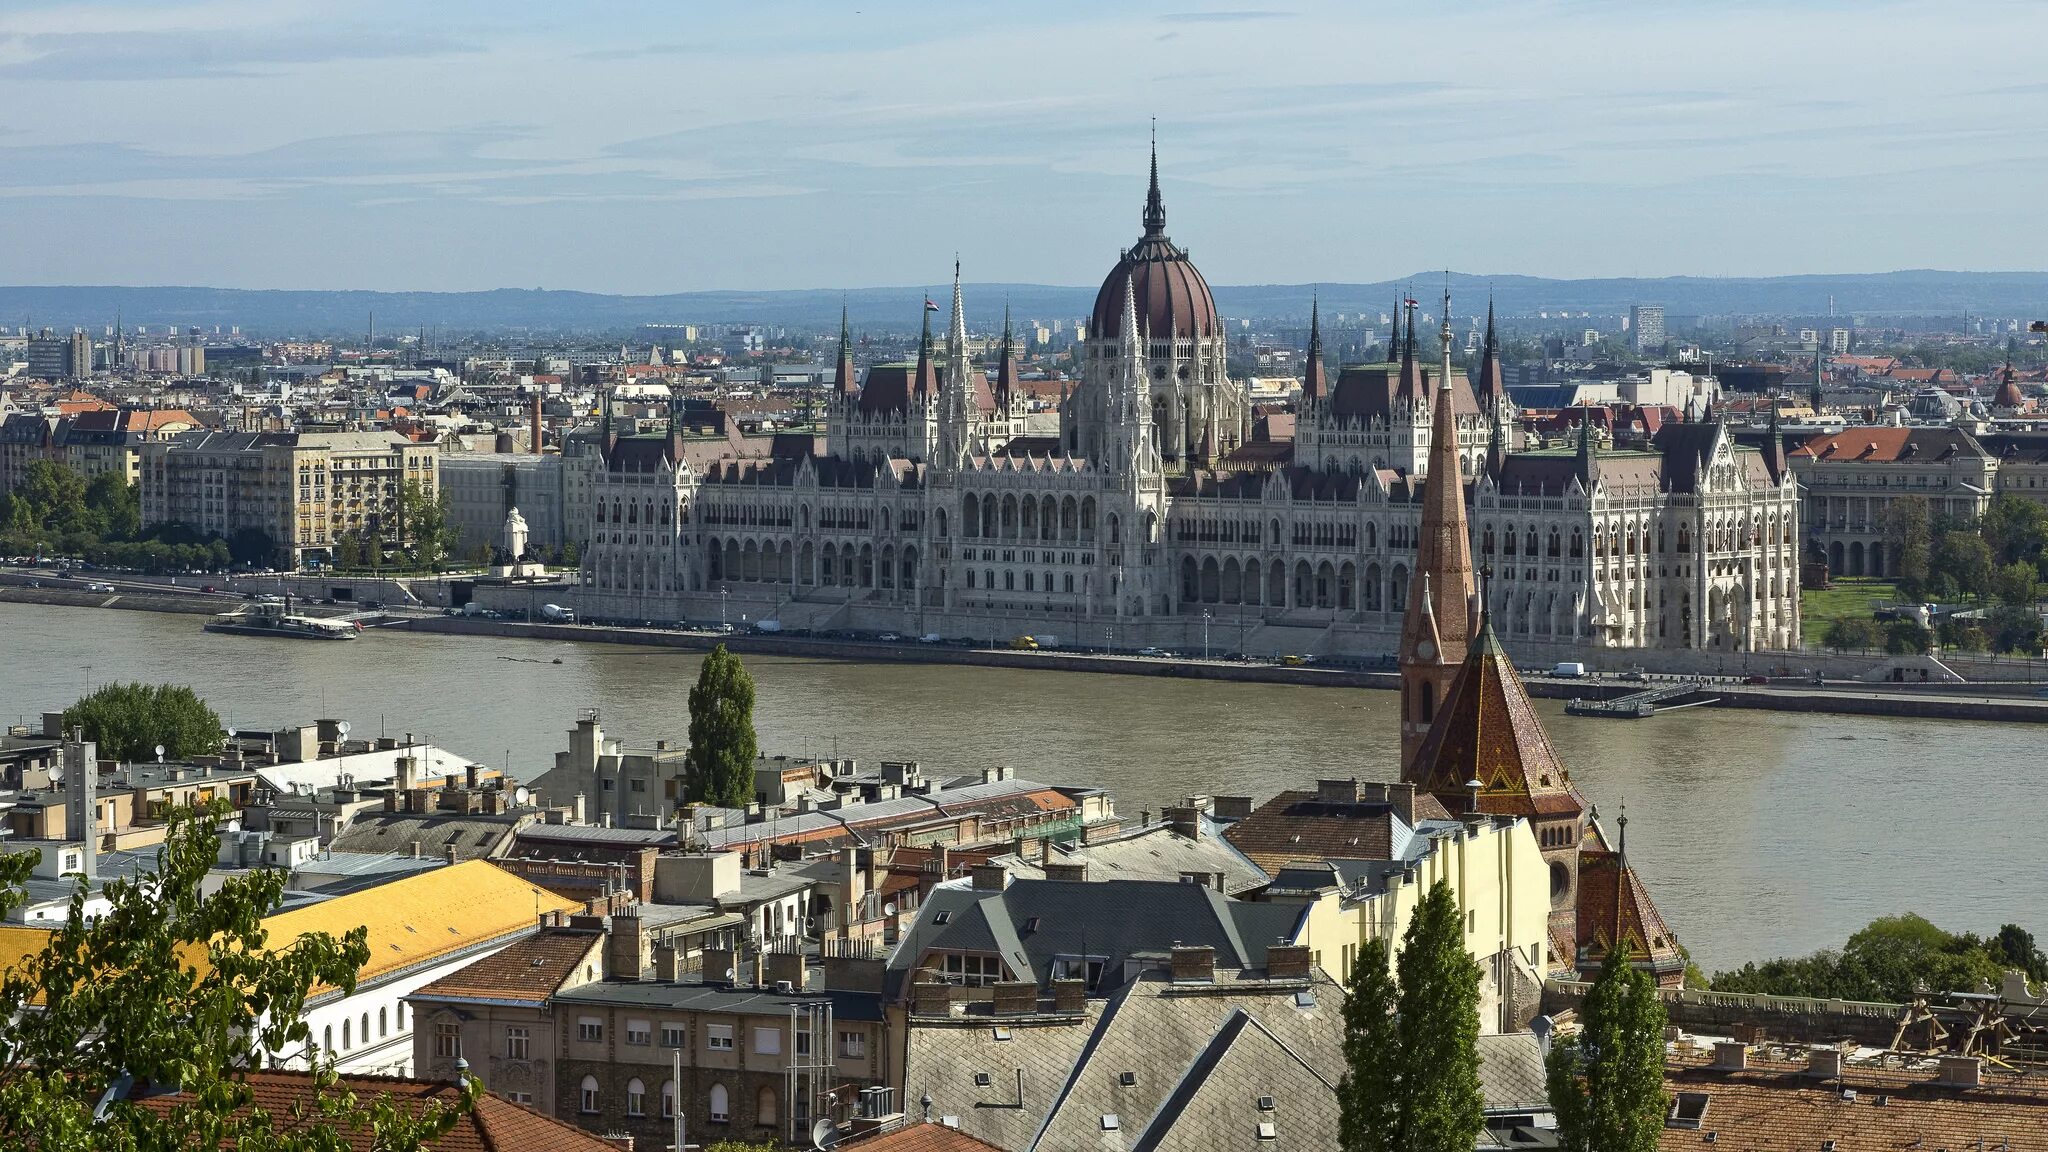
{"x":930,"y":305}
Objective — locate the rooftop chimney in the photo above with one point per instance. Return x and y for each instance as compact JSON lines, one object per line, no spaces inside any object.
{"x":990,"y":878}
{"x":1824,"y":1061}
{"x":1961,"y":1071}
{"x":1731,"y":1056}
{"x":1194,"y":963}
{"x":1337,"y":791}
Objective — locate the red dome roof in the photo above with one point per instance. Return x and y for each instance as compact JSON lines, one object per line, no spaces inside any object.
{"x":1173,"y":300}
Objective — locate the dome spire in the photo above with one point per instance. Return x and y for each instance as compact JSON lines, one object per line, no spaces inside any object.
{"x":1155,"y":212}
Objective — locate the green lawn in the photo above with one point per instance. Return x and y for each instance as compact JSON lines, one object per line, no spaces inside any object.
{"x":1851,"y":596}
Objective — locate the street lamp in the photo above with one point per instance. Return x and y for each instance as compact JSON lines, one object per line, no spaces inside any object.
{"x":1205,"y":633}
{"x":723,"y":595}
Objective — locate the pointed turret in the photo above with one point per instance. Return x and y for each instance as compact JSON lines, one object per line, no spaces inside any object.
{"x":1394,"y":334}
{"x":843,"y":380}
{"x":1496,"y":451}
{"x":1006,"y":367}
{"x":1440,"y":591}
{"x":1313,"y":383}
{"x":1411,"y":387}
{"x":960,"y":409}
{"x":2009,"y":397}
{"x":1615,"y":912}
{"x":925,"y":383}
{"x":1155,"y":211}
{"x":1589,"y":452}
{"x":1490,"y":385}
{"x":1774,"y":447}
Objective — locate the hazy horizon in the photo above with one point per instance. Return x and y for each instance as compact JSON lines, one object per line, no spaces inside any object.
{"x":637,"y":148}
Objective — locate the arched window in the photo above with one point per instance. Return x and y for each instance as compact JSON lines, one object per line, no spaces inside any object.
{"x":636,"y":1097}
{"x":721,"y":1110}
{"x":382,"y":1029}
{"x":668,"y":1099}
{"x":327,"y":1038}
{"x":586,"y":1100}
{"x":764,"y":1108}
{"x":344,"y":1036}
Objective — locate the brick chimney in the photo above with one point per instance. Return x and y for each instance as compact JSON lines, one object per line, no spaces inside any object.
{"x":1194,"y":964}
{"x":1016,"y":998}
{"x":990,"y":878}
{"x":1961,"y":1071}
{"x":1070,"y":996}
{"x":1287,"y":961}
{"x":1401,"y":797}
{"x":1337,"y":791}
{"x":1185,"y":820}
{"x":1071,"y":870}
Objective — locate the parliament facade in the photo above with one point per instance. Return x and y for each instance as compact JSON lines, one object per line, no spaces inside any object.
{"x":1153,"y":516}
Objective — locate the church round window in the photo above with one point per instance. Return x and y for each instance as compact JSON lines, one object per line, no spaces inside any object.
{"x":1183,"y":371}
{"x":1159,"y":373}
{"x":1560,"y":880}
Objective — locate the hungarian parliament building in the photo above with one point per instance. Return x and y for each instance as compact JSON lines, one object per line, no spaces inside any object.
{"x":1154,"y":516}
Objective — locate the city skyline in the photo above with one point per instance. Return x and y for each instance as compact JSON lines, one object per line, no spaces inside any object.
{"x":305,"y":145}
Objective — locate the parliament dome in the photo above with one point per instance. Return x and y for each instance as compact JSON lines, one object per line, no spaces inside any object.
{"x":1172,"y":299}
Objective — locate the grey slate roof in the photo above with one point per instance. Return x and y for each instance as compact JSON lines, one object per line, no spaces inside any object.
{"x":1193,"y":1054}
{"x":1032,"y":921}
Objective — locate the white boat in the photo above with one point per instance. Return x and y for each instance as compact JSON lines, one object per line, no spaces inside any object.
{"x":278,"y":620}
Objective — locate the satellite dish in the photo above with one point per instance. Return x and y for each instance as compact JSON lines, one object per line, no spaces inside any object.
{"x":824,"y":1135}
{"x":889,"y":909}
{"x":520,"y":795}
{"x":341,"y":726}
{"x":732,"y":973}
{"x":231,"y":733}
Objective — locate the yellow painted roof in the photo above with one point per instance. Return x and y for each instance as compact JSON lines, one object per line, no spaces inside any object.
{"x":410,"y":921}
{"x":425,"y":916}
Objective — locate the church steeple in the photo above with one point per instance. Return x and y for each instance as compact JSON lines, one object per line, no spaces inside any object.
{"x":1440,"y":591}
{"x":1394,"y":334}
{"x":960,"y":408}
{"x":1313,"y":380}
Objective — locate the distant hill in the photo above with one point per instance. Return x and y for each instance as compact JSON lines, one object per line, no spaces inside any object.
{"x":512,"y":310}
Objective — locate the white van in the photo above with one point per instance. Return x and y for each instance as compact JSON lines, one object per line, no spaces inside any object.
{"x":1572,"y":669}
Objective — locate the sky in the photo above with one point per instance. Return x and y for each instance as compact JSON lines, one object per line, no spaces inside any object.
{"x":635,"y":146}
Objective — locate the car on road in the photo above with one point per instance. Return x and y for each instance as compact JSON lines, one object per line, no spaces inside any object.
{"x":1756,"y":679}
{"x":99,"y":586}
{"x":1150,"y":651}
{"x":889,"y":638}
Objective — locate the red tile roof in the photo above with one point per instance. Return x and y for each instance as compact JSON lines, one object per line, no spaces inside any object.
{"x":494,"y":1125}
{"x":1780,"y":1108}
{"x":926,"y":1137}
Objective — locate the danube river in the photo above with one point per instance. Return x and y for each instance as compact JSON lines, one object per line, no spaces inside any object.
{"x":1761,"y":833}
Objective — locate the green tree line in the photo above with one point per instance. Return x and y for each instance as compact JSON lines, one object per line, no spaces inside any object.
{"x":1892,"y":959}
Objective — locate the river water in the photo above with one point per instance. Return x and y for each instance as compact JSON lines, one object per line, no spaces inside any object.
{"x":1761,"y":833}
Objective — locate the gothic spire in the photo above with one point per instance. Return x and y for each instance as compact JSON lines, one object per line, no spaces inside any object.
{"x":1589,"y":453}
{"x":844,"y":380}
{"x":1440,"y":589}
{"x":1394,"y":333}
{"x":1489,"y":365}
{"x":1411,"y":387}
{"x":924,"y":384}
{"x":1313,"y":382}
{"x":1006,"y":365}
{"x":1155,"y":212}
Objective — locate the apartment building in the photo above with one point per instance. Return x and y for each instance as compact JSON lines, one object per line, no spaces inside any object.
{"x":308,"y":491}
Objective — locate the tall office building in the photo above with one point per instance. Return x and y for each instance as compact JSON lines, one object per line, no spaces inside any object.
{"x":1647,"y":322}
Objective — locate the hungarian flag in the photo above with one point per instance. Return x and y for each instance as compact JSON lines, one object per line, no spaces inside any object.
{"x":930,"y":305}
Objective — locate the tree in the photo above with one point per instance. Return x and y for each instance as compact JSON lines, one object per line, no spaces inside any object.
{"x":166,"y":988}
{"x":2016,"y":629}
{"x":128,"y":721}
{"x":1889,"y":960}
{"x":2014,"y":948}
{"x":115,"y":503}
{"x":2016,"y":529}
{"x":1607,"y":1083}
{"x":1962,"y":564}
{"x":722,"y":743}
{"x":1438,"y":1024}
{"x":1904,"y":637}
{"x":424,"y":524}
{"x":1368,"y":1098}
{"x":2017,"y":584}
{"x":1906,"y":524}
{"x":1846,"y":632}
{"x":348,"y":552}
